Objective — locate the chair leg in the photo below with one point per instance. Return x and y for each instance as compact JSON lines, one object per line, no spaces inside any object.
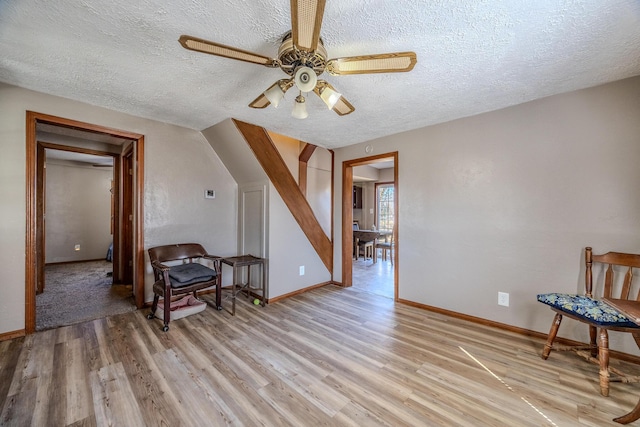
{"x":593,"y":345}
{"x":219,"y":295}
{"x":603,"y":357}
{"x":552,"y":335}
{"x":167,"y":311}
{"x":154,"y":307}
{"x":631,"y":416}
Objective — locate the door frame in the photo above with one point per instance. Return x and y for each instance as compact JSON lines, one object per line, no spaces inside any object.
{"x":347,"y":217}
{"x":34,"y":226}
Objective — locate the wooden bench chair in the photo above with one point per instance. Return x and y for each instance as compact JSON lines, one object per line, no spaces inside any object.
{"x":597,"y":314}
{"x":189,"y":276}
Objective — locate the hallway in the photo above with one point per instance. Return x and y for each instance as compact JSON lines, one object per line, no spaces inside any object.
{"x":374,"y":278}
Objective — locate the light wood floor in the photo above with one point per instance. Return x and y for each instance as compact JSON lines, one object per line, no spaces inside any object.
{"x":376,"y":278}
{"x":331,"y":357}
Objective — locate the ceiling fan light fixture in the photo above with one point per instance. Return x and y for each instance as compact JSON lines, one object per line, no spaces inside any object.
{"x":299,"y":108}
{"x":330,"y":97}
{"x":305,"y":79}
{"x":274,"y":94}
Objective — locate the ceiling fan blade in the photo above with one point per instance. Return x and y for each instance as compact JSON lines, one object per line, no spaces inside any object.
{"x":382,"y":63}
{"x":262,"y":101}
{"x":342,"y":107}
{"x":217,"y":49}
{"x":306,"y":20}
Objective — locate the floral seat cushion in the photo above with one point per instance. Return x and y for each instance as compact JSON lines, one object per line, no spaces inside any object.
{"x":591,"y":310}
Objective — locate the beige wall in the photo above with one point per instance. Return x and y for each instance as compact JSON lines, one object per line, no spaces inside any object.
{"x":287,"y":247}
{"x":503,"y":201}
{"x":78,"y":212}
{"x":179,"y":166}
{"x":507,"y":200}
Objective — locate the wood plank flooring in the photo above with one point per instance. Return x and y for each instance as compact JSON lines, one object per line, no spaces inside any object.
{"x":332,"y":356}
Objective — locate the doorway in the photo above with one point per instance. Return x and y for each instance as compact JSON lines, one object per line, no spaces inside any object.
{"x":82,"y":137}
{"x":348,"y":219}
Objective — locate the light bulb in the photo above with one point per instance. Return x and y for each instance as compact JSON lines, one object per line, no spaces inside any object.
{"x":274,"y":94}
{"x":330,"y":97}
{"x":299,"y":109}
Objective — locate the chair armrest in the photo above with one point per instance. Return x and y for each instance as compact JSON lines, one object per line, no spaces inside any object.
{"x":217,"y":265}
{"x":157,"y":265}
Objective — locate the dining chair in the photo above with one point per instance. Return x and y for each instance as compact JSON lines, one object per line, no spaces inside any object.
{"x":599,"y":316}
{"x":385,"y":245}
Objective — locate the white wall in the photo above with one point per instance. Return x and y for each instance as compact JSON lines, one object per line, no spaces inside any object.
{"x":78,"y":212}
{"x":507,"y":201}
{"x":319,"y":187}
{"x":179,"y":166}
{"x":289,"y":249}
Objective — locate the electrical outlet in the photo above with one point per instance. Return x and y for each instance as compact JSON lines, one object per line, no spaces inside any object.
{"x":77,"y":248}
{"x":302,"y":270}
{"x":503,"y":299}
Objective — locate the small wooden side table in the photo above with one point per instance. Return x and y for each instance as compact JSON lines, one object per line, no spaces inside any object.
{"x":237,"y":263}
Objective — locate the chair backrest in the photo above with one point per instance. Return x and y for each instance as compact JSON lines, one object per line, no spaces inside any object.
{"x":356,"y":226}
{"x":609,"y":260}
{"x":176,"y":252}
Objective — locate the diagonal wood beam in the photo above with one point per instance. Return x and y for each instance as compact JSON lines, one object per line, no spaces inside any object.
{"x":276,"y":169}
{"x":303,"y":159}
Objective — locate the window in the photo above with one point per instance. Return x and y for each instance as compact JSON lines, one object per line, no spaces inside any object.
{"x":385,"y":219}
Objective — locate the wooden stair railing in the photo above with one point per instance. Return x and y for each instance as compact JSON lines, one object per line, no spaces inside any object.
{"x":276,"y":169}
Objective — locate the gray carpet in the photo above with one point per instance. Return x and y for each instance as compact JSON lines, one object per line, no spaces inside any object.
{"x":81,"y":291}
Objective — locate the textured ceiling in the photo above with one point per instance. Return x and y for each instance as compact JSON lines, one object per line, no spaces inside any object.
{"x":473,"y":56}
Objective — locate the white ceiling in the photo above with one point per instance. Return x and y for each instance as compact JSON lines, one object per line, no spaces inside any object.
{"x":473,"y":56}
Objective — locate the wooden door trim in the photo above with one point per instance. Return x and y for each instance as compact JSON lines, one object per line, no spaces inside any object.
{"x":32,"y":226}
{"x":347,"y":217}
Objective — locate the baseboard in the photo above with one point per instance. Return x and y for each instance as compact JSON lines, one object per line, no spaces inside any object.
{"x":522,"y":331}
{"x":299,"y":291}
{"x":11,"y":335}
{"x":74,"y":262}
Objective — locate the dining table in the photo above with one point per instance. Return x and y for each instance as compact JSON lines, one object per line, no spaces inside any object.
{"x":365,"y":236}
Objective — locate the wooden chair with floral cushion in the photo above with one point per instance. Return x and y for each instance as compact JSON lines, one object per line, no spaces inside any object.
{"x":597,"y":314}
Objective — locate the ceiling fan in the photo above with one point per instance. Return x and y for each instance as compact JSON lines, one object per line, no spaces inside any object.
{"x":303,"y":57}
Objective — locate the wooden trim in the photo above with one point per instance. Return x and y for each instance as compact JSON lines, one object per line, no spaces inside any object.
{"x":302,"y":177}
{"x":73,"y":149}
{"x":332,"y":237}
{"x":307,"y":152}
{"x":269,"y":158}
{"x":6,"y":336}
{"x":347,"y":216}
{"x":88,"y":127}
{"x":515,"y":329}
{"x":347,"y":230}
{"x":303,"y":165}
{"x":31,"y":258}
{"x":298,"y":292}
{"x":138,"y":244}
{"x":32,"y":262}
{"x":74,"y":262}
{"x":396,"y":219}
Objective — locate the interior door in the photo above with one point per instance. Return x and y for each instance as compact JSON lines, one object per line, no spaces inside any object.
{"x":252,"y":222}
